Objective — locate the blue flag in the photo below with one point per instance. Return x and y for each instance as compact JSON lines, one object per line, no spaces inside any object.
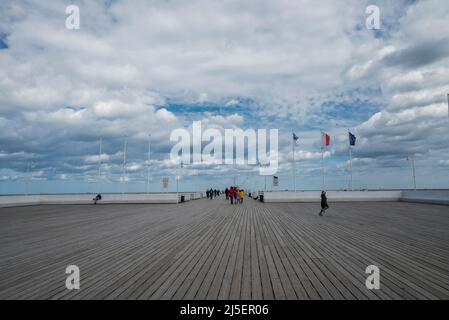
{"x":352,"y":139}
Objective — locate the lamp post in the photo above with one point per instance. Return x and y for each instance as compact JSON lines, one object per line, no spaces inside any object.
{"x":412,"y":161}
{"x":177,"y":181}
{"x":30,"y":166}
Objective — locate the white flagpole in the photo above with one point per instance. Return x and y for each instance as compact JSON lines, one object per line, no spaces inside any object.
{"x":148,"y":164}
{"x":124,"y":167}
{"x":322,"y":166}
{"x":350,"y":161}
{"x":99,"y":167}
{"x":177,"y":181}
{"x":294,"y":162}
{"x":350,"y":166}
{"x":322,"y":160}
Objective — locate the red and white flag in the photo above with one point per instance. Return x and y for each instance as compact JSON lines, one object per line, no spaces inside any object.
{"x":325,"y":139}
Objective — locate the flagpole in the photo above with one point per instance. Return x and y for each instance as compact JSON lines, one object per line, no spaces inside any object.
{"x":350,"y":166}
{"x":148,"y":164}
{"x":322,"y":161}
{"x":350,"y":161}
{"x":322,"y":166}
{"x":294,"y":162}
{"x":99,"y":167}
{"x":177,"y":184}
{"x":124,"y":167}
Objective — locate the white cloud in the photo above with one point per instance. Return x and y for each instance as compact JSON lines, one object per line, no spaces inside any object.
{"x":96,"y":158}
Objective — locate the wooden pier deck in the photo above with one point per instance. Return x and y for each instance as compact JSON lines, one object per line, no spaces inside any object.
{"x":208,"y":249}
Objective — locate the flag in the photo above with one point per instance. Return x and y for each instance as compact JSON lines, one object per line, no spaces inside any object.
{"x":295,"y":138}
{"x":352,"y":139}
{"x":325,"y":139}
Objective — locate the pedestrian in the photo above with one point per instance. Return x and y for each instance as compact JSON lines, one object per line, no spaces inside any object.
{"x":324,"y":205}
{"x":242,"y":194}
{"x":97,"y":198}
{"x":231,"y":195}
{"x":237,"y":196}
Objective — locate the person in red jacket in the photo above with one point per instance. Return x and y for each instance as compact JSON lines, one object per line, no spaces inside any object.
{"x":232,"y":194}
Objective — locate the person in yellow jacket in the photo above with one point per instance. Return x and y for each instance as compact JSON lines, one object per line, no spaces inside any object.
{"x":242,"y":194}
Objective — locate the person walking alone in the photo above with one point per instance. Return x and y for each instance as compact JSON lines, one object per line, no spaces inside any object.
{"x":324,"y":205}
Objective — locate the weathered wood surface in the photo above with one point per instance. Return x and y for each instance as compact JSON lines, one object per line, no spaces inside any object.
{"x":208,"y":249}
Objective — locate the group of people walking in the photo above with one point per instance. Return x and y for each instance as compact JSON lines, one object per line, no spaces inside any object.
{"x":235,"y":195}
{"x":212,"y":193}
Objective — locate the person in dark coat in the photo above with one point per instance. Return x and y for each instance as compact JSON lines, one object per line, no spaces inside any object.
{"x":324,"y":205}
{"x":97,"y":198}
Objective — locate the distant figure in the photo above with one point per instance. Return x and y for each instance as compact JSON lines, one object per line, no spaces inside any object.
{"x":207,"y":194}
{"x":324,"y":205}
{"x":231,"y":194}
{"x":211,"y":192}
{"x":242,"y":194}
{"x":237,"y":196}
{"x":97,"y":198}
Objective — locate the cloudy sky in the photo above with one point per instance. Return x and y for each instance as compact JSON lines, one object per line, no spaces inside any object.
{"x":136,"y":68}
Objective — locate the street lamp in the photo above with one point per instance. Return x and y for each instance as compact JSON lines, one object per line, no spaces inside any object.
{"x":412,"y":161}
{"x":30,"y":166}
